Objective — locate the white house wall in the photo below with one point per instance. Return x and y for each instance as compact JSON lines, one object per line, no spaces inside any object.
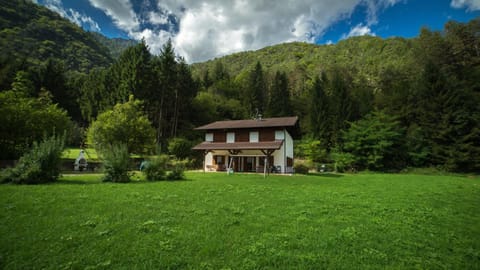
{"x":289,"y":144}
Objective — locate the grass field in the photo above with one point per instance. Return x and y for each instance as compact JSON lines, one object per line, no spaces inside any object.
{"x":215,"y":221}
{"x":72,"y":153}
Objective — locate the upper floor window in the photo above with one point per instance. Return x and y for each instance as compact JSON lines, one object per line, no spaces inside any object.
{"x":253,"y":136}
{"x":279,"y":135}
{"x":209,"y":137}
{"x":230,"y":137}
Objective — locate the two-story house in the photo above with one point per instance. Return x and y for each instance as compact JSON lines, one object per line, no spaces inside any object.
{"x":252,"y":145}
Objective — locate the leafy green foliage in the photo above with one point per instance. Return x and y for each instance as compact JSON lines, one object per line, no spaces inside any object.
{"x":300,"y":168}
{"x":39,"y":165}
{"x":312,"y":150}
{"x":32,"y":33}
{"x":156,"y":168}
{"x":124,"y":124}
{"x":373,"y":141}
{"x":25,"y":120}
{"x":344,"y":161}
{"x":181,"y":148}
{"x":177,"y":170}
{"x":116,"y":161}
{"x":162,"y":167}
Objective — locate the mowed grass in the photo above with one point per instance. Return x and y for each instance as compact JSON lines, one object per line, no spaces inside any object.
{"x":72,"y":153}
{"x":215,"y":221}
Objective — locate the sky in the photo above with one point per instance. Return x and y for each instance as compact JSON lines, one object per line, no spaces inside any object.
{"x":204,"y":29}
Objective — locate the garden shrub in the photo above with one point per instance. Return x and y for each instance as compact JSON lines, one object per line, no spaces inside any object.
{"x":344,"y":161}
{"x":156,"y":168}
{"x":116,"y":160}
{"x":177,"y":171}
{"x":39,"y":165}
{"x":162,"y":168}
{"x":300,"y":168}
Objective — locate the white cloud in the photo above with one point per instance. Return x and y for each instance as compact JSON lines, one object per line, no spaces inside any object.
{"x":471,"y":5}
{"x":212,"y":28}
{"x":156,"y":18}
{"x":73,"y":15}
{"x":121,"y":12}
{"x":217,"y":27}
{"x":359,"y":30}
{"x":80,"y":19}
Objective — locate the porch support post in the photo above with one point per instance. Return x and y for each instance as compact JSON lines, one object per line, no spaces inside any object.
{"x":205,"y":153}
{"x":268,"y":153}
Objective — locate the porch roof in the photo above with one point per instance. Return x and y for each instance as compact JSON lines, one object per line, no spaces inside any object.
{"x":270,"y":145}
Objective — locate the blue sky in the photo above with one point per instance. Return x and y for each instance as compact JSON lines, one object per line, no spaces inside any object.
{"x":202,"y":30}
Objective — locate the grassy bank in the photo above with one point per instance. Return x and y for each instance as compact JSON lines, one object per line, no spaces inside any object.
{"x":214,"y":221}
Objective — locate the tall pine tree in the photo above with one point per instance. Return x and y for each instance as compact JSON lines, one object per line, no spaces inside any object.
{"x":320,"y":114}
{"x":279,"y":101}
{"x":254,"y":98}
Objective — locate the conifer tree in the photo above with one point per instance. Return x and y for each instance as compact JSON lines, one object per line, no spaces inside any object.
{"x":279,"y":102}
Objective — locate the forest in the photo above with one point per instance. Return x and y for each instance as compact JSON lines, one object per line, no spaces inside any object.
{"x":365,"y":103}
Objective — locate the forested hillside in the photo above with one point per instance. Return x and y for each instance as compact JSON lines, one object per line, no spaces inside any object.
{"x":115,"y":45}
{"x":31,"y":34}
{"x":364,"y":103}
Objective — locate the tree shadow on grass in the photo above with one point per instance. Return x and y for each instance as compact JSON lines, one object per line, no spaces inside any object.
{"x":76,"y":182}
{"x":327,"y":175}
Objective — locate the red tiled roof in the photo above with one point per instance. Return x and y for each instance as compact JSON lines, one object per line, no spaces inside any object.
{"x":251,"y":123}
{"x":273,"y":145}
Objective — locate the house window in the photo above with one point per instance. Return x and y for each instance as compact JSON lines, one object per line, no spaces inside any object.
{"x":279,"y":135}
{"x":209,"y":137}
{"x":253,"y":136}
{"x":230,"y":137}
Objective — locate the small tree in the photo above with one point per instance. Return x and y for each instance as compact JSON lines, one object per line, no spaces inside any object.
{"x":25,"y":120}
{"x":313,"y":150}
{"x":180,"y":148}
{"x":124,"y":124}
{"x":374,"y":142}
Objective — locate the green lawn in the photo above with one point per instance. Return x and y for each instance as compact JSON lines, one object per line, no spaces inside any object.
{"x":72,"y":153}
{"x":90,"y":153}
{"x":215,"y":221}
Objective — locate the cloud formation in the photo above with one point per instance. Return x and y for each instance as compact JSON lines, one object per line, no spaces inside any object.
{"x":359,"y":30}
{"x":74,"y":16}
{"x":471,"y":5}
{"x":211,"y":28}
{"x":121,"y":12}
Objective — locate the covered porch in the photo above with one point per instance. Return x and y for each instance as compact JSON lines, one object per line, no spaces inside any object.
{"x":242,"y":156}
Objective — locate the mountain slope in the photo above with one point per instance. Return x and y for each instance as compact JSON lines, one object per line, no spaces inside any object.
{"x":115,"y":45}
{"x":31,"y":34}
{"x":367,"y":56}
